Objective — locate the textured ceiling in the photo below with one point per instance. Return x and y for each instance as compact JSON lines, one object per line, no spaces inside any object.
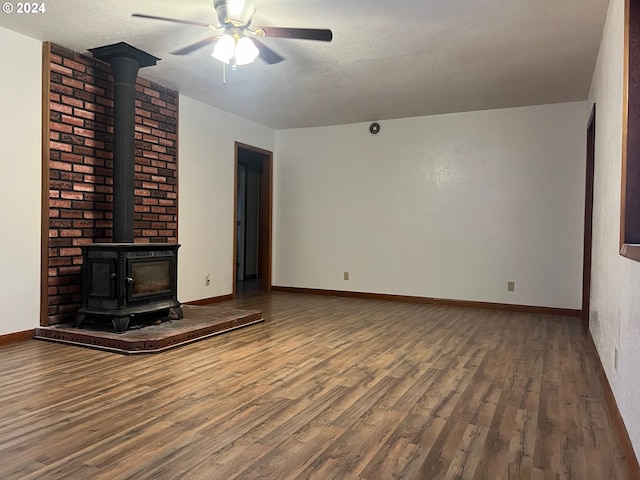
{"x":388,"y":59}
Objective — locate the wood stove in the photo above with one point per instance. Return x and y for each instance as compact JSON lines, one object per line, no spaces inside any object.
{"x":123,"y":280}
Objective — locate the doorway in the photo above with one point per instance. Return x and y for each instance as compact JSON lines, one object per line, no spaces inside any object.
{"x":252,"y":209}
{"x":588,"y":221}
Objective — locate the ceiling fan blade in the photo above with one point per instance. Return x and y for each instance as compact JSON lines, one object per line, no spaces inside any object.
{"x":195,"y":46}
{"x":266,"y":54}
{"x":175,"y":20}
{"x":323,"y":35}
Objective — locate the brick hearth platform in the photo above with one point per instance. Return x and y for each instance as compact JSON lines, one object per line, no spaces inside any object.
{"x":198,"y":323}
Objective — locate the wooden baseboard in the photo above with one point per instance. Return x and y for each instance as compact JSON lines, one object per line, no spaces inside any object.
{"x":17,"y":337}
{"x":616,"y":418}
{"x":209,"y":301}
{"x":566,"y":312}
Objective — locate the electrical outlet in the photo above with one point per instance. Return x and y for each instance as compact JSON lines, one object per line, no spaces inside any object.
{"x":615,"y":359}
{"x":207,"y":280}
{"x":511,"y":286}
{"x":346,"y":275}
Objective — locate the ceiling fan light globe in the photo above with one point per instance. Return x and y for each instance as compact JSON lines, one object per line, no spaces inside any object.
{"x":224,"y":49}
{"x":246,"y":51}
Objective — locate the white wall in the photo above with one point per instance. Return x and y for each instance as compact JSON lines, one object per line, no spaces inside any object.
{"x":20,"y":181}
{"x":615,"y":284}
{"x":449,"y":206}
{"x":206,"y":195}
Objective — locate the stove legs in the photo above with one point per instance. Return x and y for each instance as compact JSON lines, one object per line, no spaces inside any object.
{"x":81,"y":317}
{"x":120,"y":324}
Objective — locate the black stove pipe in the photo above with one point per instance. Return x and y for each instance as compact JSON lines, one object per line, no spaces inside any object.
{"x":125,"y":62}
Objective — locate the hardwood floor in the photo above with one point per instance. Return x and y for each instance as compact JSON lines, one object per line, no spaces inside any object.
{"x":326,"y":388}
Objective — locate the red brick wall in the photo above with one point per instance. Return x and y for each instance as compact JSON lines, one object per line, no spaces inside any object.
{"x":81,"y":163}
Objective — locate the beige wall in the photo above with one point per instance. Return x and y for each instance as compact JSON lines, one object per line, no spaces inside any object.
{"x":448,"y":206}
{"x":20,"y":181}
{"x":615,"y":283}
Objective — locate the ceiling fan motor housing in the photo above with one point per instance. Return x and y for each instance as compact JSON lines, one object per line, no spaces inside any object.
{"x":234,"y":13}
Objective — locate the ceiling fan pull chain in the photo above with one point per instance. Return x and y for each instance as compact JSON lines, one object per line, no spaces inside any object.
{"x":224,"y":73}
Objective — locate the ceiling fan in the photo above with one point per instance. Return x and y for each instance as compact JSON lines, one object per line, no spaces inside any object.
{"x":237,"y":43}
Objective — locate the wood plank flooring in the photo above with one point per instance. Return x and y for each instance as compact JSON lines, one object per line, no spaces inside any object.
{"x":326,"y":388}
